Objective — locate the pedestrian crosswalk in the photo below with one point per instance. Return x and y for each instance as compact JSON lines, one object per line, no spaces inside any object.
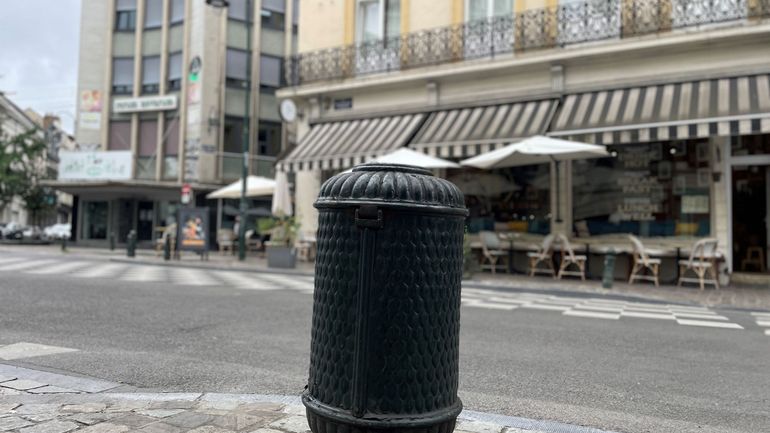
{"x":763,"y":321}
{"x":595,"y":308}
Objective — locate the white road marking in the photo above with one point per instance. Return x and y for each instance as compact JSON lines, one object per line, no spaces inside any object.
{"x":700,"y":316}
{"x":107,"y":270}
{"x":606,"y":309}
{"x":61,"y":268}
{"x":490,"y":305}
{"x":144,"y":273}
{"x":646,"y":315}
{"x":193,"y":277}
{"x":767,"y":332}
{"x":591,"y":314}
{"x":763,"y":323}
{"x":709,"y":324}
{"x":648,"y":310}
{"x":7,"y":259}
{"x":546,"y":307}
{"x":757,"y":314}
{"x":26,"y":264}
{"x":28,"y":350}
{"x":245,"y":281}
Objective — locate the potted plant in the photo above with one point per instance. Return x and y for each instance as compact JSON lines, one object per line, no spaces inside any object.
{"x":280,"y":248}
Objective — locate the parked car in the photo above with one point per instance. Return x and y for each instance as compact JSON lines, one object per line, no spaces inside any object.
{"x":12,"y":231}
{"x":32,"y":233}
{"x":57,"y":231}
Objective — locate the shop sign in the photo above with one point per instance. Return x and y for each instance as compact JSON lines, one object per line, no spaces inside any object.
{"x":145,"y":103}
{"x":110,"y":165}
{"x":193,"y":229}
{"x":186,"y":193}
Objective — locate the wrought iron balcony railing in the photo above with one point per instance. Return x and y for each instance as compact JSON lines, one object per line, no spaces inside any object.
{"x":568,"y":24}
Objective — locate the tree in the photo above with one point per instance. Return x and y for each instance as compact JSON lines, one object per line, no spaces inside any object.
{"x":20,"y":166}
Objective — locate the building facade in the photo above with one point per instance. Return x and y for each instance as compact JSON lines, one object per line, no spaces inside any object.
{"x":678,"y":91}
{"x":166,"y":90}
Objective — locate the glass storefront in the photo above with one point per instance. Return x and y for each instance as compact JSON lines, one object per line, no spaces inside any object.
{"x":95,"y":219}
{"x":511,"y":199}
{"x":653,"y":190}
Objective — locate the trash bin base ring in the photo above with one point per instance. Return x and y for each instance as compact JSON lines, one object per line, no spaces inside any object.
{"x":326,"y":419}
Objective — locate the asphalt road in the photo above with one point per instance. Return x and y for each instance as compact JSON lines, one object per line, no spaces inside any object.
{"x":628,"y":375}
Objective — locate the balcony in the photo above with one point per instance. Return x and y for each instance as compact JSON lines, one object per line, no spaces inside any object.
{"x":568,"y":24}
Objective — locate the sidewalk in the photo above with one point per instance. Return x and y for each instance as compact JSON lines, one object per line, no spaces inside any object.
{"x":28,"y":405}
{"x":734,"y":296}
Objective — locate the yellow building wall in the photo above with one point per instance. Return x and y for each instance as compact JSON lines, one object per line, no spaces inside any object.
{"x":322,"y":24}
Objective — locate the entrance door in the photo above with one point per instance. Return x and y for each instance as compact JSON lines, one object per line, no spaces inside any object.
{"x":144,"y":224}
{"x":751,"y":187}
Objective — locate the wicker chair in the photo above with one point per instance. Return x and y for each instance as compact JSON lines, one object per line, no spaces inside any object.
{"x":226,"y":240}
{"x":643,"y":261}
{"x":569,"y":258}
{"x":703,"y":260}
{"x":491,"y":250}
{"x":544,"y":254}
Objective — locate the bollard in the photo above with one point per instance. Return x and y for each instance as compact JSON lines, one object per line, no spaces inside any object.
{"x":386,"y":312}
{"x":131,"y":244}
{"x":112,"y":241}
{"x":609,"y":269}
{"x":64,"y":244}
{"x":167,"y":249}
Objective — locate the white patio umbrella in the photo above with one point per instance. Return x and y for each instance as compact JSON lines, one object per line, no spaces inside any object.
{"x":537,"y":150}
{"x":255,"y":186}
{"x":281,"y":196}
{"x":408,"y":156}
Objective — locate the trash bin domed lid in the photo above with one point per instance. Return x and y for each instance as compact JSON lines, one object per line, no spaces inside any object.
{"x":391,"y":186}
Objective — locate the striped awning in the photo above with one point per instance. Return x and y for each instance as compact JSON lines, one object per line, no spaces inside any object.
{"x":726,"y":106}
{"x":343,"y":144}
{"x":465,"y":132}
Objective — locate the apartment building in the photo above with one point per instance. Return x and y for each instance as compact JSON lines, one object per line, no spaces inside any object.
{"x":166,"y":90}
{"x":678,"y":91}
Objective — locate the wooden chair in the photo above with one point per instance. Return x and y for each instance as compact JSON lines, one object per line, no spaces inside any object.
{"x":703,"y":259}
{"x":569,"y":258}
{"x":226,"y":241}
{"x":643,"y":261}
{"x":491,"y":248}
{"x":253,"y":244}
{"x":543,"y":254}
{"x":755,"y":256}
{"x":306,"y":247}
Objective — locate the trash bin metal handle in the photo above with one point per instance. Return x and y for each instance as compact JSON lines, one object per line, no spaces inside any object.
{"x":369,"y":216}
{"x":363,"y":333}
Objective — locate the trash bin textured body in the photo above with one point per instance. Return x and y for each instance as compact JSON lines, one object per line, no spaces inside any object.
{"x":386,"y":312}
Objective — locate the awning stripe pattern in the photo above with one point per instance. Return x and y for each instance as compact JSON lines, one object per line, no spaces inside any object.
{"x":343,"y":144}
{"x":465,"y":132}
{"x":697,"y":109}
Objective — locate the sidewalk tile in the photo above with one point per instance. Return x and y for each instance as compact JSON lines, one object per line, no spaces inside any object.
{"x":12,"y":423}
{"x":265,"y":430}
{"x":93,"y":418}
{"x":106,"y":428}
{"x":160,"y":427}
{"x":22,"y":384}
{"x":51,"y":427}
{"x":8,"y":407}
{"x":173,"y":404}
{"x":210,"y":429}
{"x":292,"y":423}
{"x":50,"y":389}
{"x":37,"y":408}
{"x":84,"y":408}
{"x":159,"y":413}
{"x":8,"y":391}
{"x":40,"y":417}
{"x":134,"y":420}
{"x":6,"y":378}
{"x":477,"y":427}
{"x":238,"y":421}
{"x":189,"y":420}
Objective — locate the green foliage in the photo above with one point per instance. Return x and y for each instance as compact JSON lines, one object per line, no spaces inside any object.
{"x":20,"y":169}
{"x":284,"y":232}
{"x":264,"y":225}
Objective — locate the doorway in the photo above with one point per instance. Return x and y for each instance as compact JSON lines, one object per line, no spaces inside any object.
{"x":145,"y":220}
{"x":751,"y":226}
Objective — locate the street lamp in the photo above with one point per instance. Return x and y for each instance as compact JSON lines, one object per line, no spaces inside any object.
{"x":221,"y":4}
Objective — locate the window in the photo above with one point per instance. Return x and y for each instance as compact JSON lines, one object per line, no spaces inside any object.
{"x":233,"y":135}
{"x":148,"y":137}
{"x":238,"y":10}
{"x":171,"y":136}
{"x":483,"y":9}
{"x":237,"y":68}
{"x":488,"y":28}
{"x":272,"y":19}
{"x":153,"y":14}
{"x":150,"y":74}
{"x":270,"y":71}
{"x":174,"y":71}
{"x":378,"y":19}
{"x":95,"y":220}
{"x":125,"y":15}
{"x":122,"y":75}
{"x":120,"y":135}
{"x":177,"y":11}
{"x":269,"y":138}
{"x":658,"y":189}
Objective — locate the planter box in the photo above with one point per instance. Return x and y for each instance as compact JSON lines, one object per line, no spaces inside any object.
{"x":281,"y":256}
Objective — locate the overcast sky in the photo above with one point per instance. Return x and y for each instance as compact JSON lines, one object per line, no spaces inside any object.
{"x":39,"y":55}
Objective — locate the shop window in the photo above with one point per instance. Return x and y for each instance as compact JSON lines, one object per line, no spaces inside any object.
{"x":237,"y":74}
{"x":125,"y":15}
{"x":238,"y":10}
{"x":269,"y":138}
{"x":511,"y":199}
{"x":177,"y":12}
{"x":153,"y":14}
{"x":122,"y":75}
{"x":120,"y":135}
{"x":174,"y":71}
{"x":750,"y":145}
{"x":233,"y":135}
{"x":150,"y":74}
{"x":95,"y":220}
{"x":658,"y":189}
{"x":270,"y":71}
{"x":273,"y":19}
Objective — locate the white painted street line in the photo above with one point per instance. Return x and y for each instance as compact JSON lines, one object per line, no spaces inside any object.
{"x":244,"y":281}
{"x":144,"y":273}
{"x":192,"y":277}
{"x":645,"y":315}
{"x":490,"y":305}
{"x":27,"y":264}
{"x":648,"y":310}
{"x":684,"y":309}
{"x":61,"y":268}
{"x":507,"y":300}
{"x":546,"y":307}
{"x":591,"y":314}
{"x":29,"y":350}
{"x":11,"y":259}
{"x":767,"y":332}
{"x":608,"y":301}
{"x":108,"y":270}
{"x":763,"y":323}
{"x":699,"y":316}
{"x":757,"y":314}
{"x":606,"y":309}
{"x":708,"y":324}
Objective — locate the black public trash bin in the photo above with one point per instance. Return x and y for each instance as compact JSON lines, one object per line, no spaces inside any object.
{"x":608,"y":275}
{"x":386,"y":311}
{"x":131,"y":244}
